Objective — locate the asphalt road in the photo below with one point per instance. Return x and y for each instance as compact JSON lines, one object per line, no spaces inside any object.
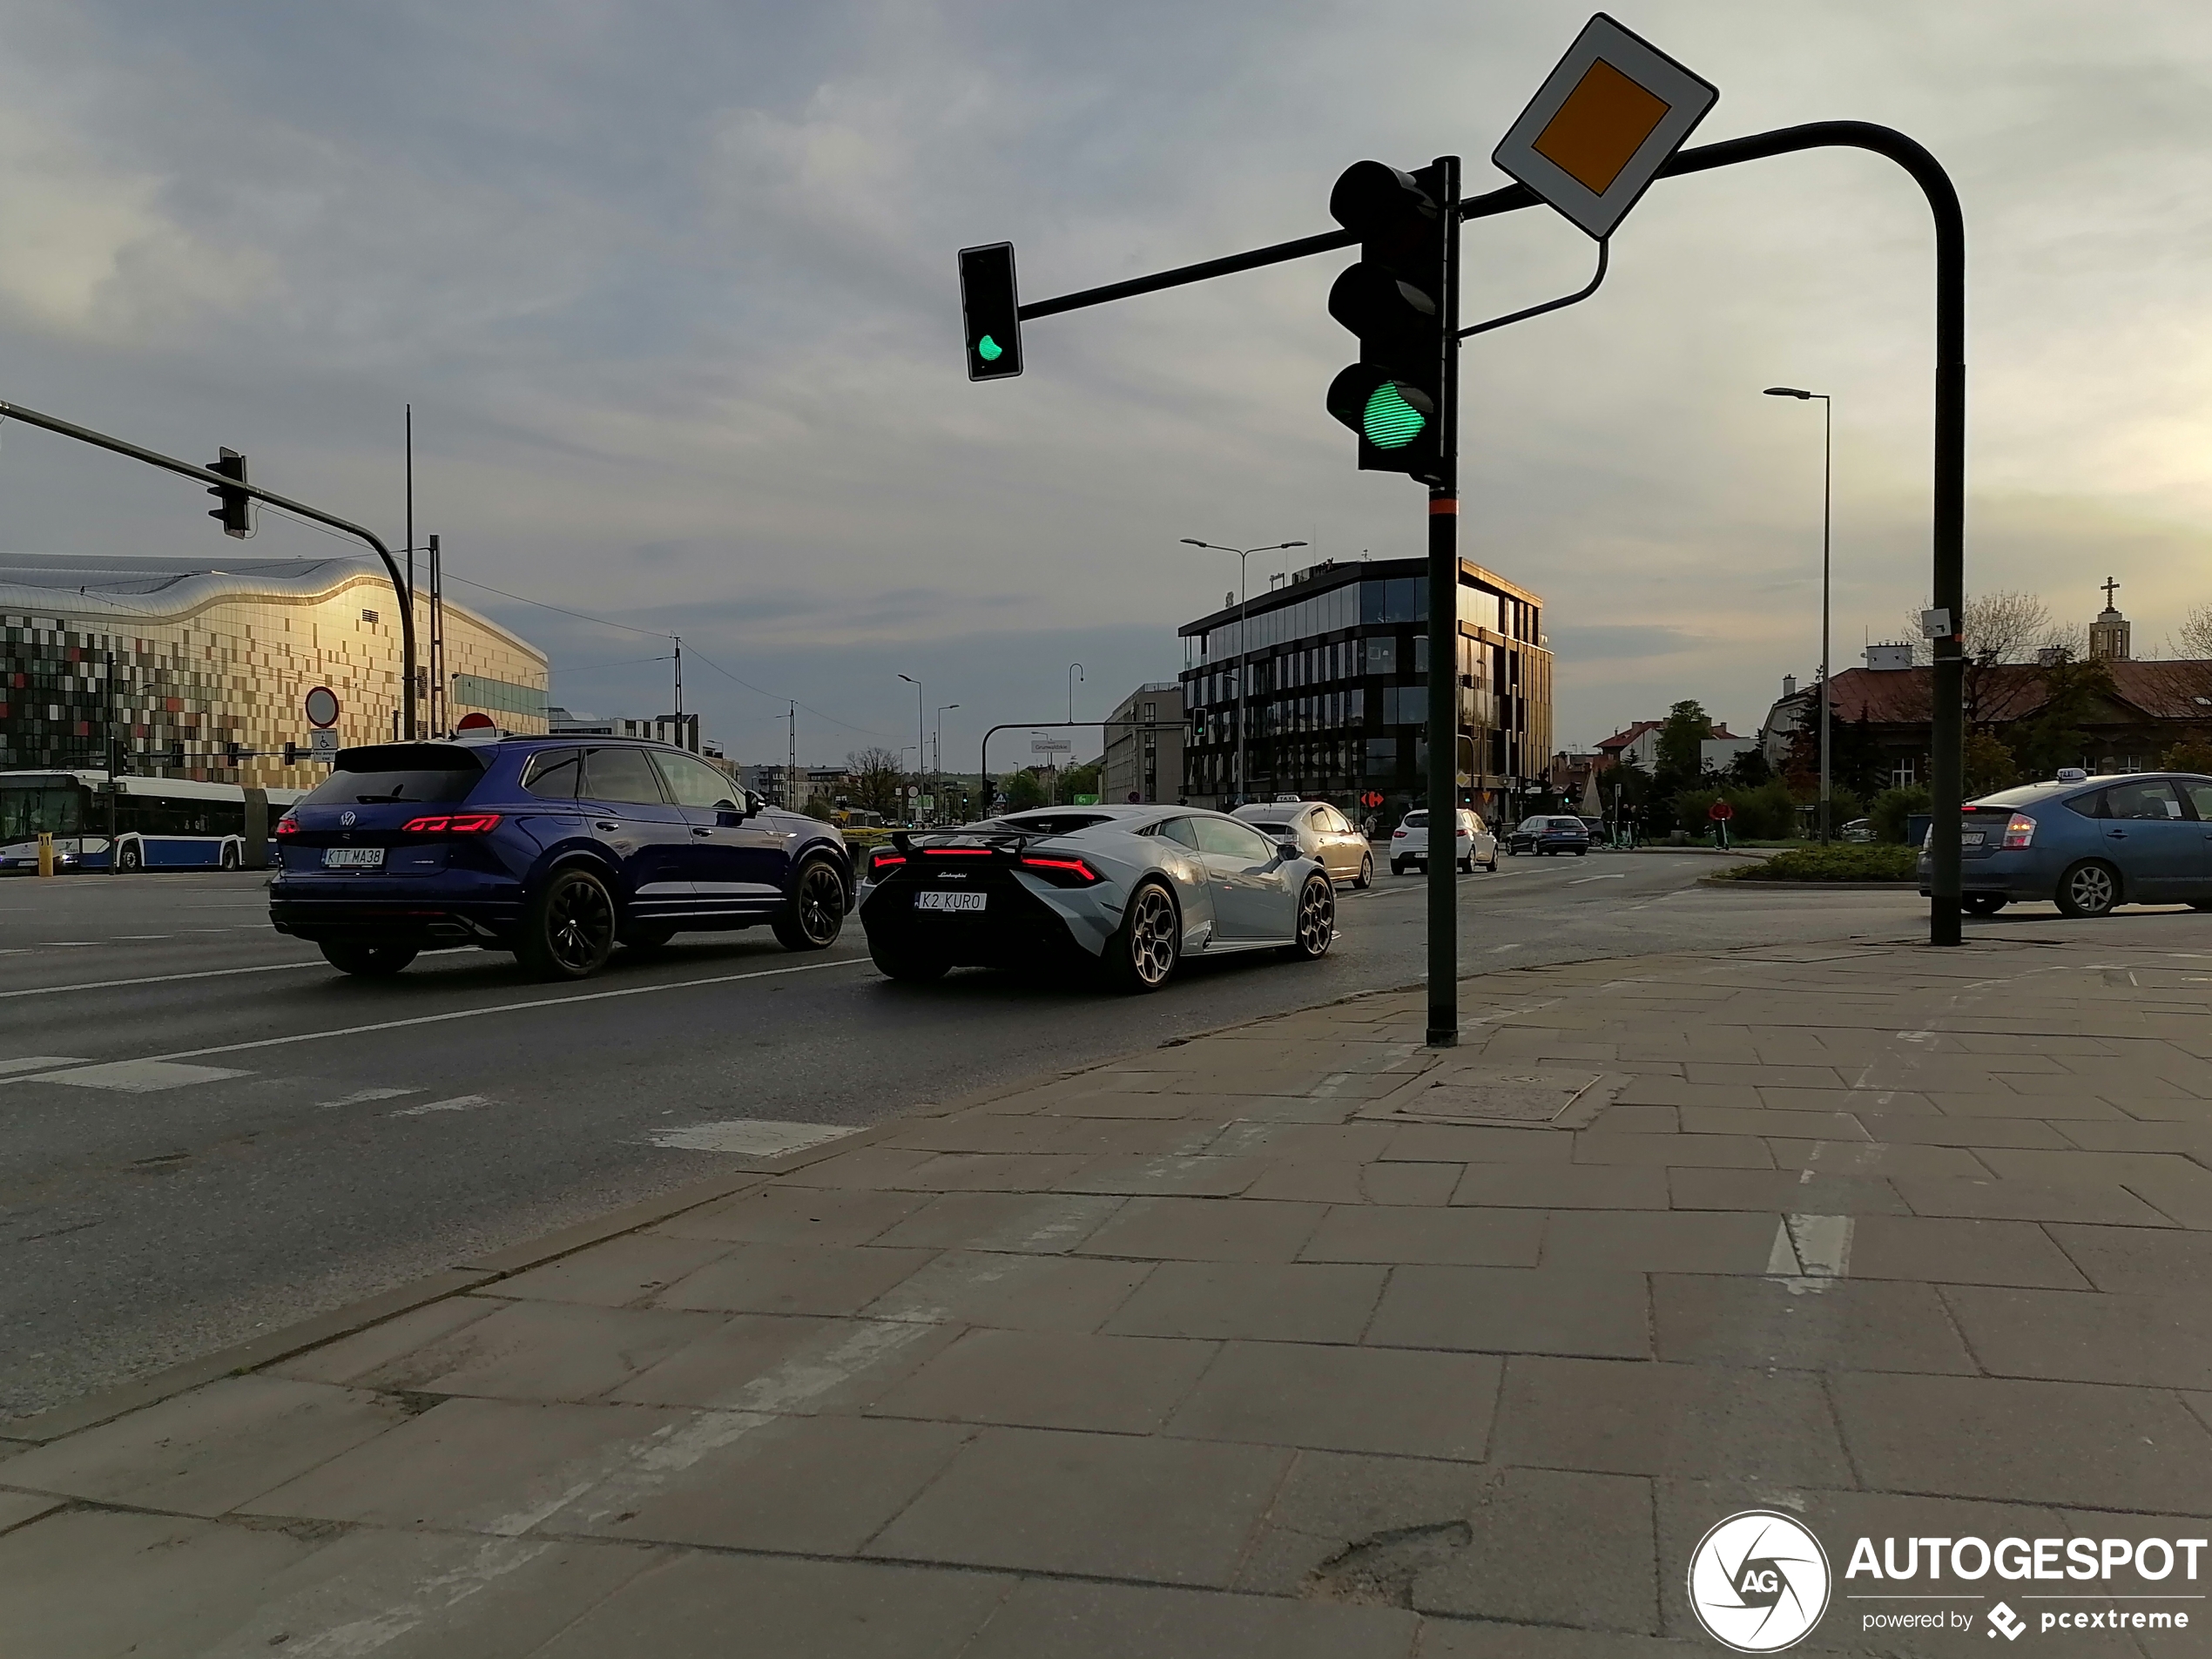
{"x":205,"y":1133}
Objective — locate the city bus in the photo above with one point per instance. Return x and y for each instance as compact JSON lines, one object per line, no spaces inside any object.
{"x":159,"y":823}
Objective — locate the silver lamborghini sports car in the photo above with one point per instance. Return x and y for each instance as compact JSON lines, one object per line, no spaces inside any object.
{"x":1131,"y":890}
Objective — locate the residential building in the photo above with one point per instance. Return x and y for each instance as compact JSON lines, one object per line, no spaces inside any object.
{"x":1639,"y":745}
{"x":1886,"y":706}
{"x":183,"y":668}
{"x":678,"y":731}
{"x":1333,"y":670}
{"x":1143,"y":756}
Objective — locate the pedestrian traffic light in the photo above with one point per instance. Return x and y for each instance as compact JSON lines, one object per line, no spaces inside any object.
{"x":991,"y":312}
{"x":1394,"y":301}
{"x":235,"y":503}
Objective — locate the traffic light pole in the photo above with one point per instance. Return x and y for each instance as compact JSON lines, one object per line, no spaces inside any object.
{"x":1948,"y":741}
{"x":213,"y":479}
{"x":1443,"y":872}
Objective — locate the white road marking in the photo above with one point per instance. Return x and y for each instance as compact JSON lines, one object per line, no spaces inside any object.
{"x":457,"y":1104}
{"x":1494,"y":949}
{"x":362,"y":1096}
{"x":754,"y":1138}
{"x":135,"y":1076}
{"x":40,"y":1062}
{"x":1823,"y":1243}
{"x":1618,"y":875}
{"x":501,"y":1008}
{"x":161,"y":979}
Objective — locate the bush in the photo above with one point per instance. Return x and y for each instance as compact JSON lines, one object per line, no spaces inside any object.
{"x":1892,"y":807}
{"x":2192,"y":753}
{"x":1844,"y":861}
{"x":1767,"y":814}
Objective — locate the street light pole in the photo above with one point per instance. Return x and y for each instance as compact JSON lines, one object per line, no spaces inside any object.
{"x":921,"y":752}
{"x":1244,"y":647}
{"x":1827,"y":497}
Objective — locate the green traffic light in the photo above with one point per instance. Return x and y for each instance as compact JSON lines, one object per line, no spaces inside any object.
{"x":988,"y":349}
{"x":1389,"y":420}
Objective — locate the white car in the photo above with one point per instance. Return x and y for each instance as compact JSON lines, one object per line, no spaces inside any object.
{"x":1130,"y":890}
{"x":1474,"y":844}
{"x":1329,"y":838}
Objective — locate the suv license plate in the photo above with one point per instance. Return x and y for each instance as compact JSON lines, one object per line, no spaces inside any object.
{"x":945,"y":898}
{"x":353,"y":858}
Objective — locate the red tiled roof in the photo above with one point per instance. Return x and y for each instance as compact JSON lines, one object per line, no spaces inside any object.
{"x":2163,"y":690}
{"x":1620,"y":740}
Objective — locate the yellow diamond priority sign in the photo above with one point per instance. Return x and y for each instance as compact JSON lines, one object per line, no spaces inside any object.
{"x":1602,"y":124}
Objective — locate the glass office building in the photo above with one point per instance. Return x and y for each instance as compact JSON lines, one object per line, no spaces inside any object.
{"x":1334,"y":667}
{"x":181,"y":668}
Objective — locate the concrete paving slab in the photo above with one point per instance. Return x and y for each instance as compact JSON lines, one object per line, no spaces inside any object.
{"x":1480,"y":1639}
{"x":1638,"y":1120}
{"x":1428,"y":1184}
{"x":1257,"y":1301}
{"x":20,"y":1508}
{"x":1345,"y":1399}
{"x":549,"y":1350}
{"x":1024,"y":1222}
{"x":816,"y":1486}
{"x":97,"y":1584}
{"x":1349,"y":1526}
{"x":1549,"y":1548}
{"x":1781,"y":1191}
{"x":1854,"y":1324}
{"x":372,"y":1358}
{"x":614,"y":1274}
{"x":210,"y":1450}
{"x":1189,"y":1177}
{"x":2141,"y":1259}
{"x":488,"y":1466}
{"x":1821,"y":1121}
{"x":710,"y":1607}
{"x":415,"y":1595}
{"x":1943,"y":1252}
{"x":1668,"y":1242}
{"x":1515,"y":1310}
{"x":1108,"y":1505}
{"x":2064,"y":1443}
{"x":793,"y":1279}
{"x":1684,"y":1422}
{"x":1206,"y":1229}
{"x":2160,"y":1339}
{"x":786,"y":1214}
{"x":1478,"y":1144}
{"x":1999,"y":1200}
{"x":1139,"y":1621}
{"x":759,"y":1362}
{"x":1705,"y":1151}
{"x":1461,"y":1236}
{"x":1886,"y":1158}
{"x":1052,"y":1379}
{"x":1562,"y":1186}
{"x":1012,"y":1291}
{"x":864,"y":1167}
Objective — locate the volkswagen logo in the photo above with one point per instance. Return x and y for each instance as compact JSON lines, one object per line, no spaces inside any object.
{"x":1758,"y":1581}
{"x":347,"y":818}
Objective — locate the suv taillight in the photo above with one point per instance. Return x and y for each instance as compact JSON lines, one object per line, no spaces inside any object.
{"x":2020,"y":832}
{"x":451,"y":824}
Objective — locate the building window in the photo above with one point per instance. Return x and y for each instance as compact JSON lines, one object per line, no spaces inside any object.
{"x":1382,"y":655}
{"x":1903,"y":773}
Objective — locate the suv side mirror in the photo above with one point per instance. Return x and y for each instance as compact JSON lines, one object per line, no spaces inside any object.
{"x":755,"y":802}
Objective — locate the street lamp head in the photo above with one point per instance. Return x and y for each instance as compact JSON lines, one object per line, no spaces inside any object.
{"x":1297,"y":544}
{"x":1786,"y":391}
{"x":910,"y":679}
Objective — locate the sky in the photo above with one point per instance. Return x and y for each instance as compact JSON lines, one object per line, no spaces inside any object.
{"x":672,"y":291}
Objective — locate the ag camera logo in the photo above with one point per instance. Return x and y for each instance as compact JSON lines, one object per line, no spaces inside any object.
{"x":1758,"y":1581}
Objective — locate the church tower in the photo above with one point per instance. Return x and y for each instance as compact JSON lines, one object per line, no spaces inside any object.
{"x":2109,"y":633}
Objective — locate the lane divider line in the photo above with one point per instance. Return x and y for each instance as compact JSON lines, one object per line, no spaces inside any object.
{"x":506,"y":1008}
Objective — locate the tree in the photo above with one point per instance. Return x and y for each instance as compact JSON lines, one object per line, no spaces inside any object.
{"x":2053,"y":736}
{"x":878,"y":781}
{"x":1023,"y":791}
{"x":1989,"y":766}
{"x":1079,"y":780}
{"x":2195,"y":635}
{"x":2004,"y":626}
{"x":1680,"y":755}
{"x":2192,"y":753}
{"x":1749,"y":769}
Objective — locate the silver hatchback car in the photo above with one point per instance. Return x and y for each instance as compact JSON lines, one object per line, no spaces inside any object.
{"x":1329,"y":838}
{"x":2088,"y":844}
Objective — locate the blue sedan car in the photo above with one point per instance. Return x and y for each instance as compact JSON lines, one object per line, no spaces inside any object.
{"x":2088,"y":844}
{"x":554,"y":849}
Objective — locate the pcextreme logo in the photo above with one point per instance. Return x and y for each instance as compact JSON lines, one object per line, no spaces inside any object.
{"x":1758,"y":1581}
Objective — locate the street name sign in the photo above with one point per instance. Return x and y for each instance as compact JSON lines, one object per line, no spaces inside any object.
{"x":1602,"y":124}
{"x":1051,"y":746}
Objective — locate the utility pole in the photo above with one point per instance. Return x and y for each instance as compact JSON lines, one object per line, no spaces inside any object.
{"x":438,"y":710}
{"x":791,"y":761}
{"x":678,"y":638}
{"x":1443,"y":871}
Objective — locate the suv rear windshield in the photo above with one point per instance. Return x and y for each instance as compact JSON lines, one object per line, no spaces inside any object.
{"x":399,"y":771}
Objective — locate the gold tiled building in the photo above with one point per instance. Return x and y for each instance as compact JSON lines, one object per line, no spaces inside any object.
{"x":187,"y":669}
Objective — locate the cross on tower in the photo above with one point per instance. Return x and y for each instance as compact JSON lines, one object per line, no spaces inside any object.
{"x":2111,"y":587}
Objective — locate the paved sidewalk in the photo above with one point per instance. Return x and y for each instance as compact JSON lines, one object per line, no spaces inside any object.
{"x":1294,"y":1340}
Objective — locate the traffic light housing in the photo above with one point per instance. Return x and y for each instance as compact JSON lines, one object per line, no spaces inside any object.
{"x":991,"y":311}
{"x":236,"y":504}
{"x":1394,"y":301}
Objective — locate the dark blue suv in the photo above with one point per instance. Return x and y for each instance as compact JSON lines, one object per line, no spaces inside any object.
{"x":556,"y":850}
